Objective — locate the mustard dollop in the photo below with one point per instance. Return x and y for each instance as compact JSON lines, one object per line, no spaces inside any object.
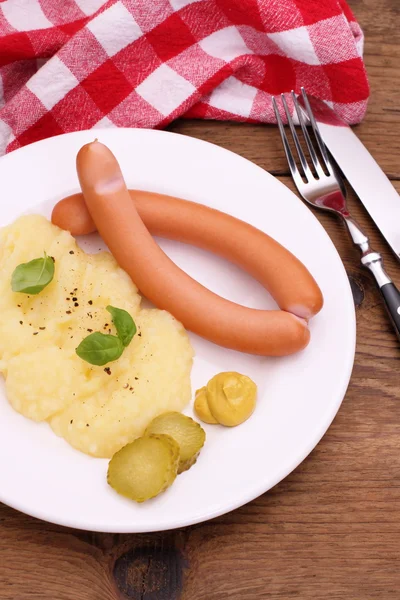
{"x":229,"y":398}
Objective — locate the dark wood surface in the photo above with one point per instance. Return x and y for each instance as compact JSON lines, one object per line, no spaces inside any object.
{"x":329,"y":530}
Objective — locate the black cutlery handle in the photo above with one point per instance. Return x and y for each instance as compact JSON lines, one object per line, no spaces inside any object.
{"x":391,"y":296}
{"x":373,"y":261}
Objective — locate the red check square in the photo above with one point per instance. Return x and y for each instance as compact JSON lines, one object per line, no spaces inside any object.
{"x":46,"y":126}
{"x":107,"y":86}
{"x":80,"y":109}
{"x":14,"y":47}
{"x":345,"y":85}
{"x":317,"y":10}
{"x":242,"y":13}
{"x":171,"y":37}
{"x":137,"y":61}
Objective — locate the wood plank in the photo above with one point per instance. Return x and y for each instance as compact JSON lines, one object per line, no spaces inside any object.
{"x":380,"y":130}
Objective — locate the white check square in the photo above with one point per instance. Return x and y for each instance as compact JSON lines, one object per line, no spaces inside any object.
{"x":115,"y":28}
{"x":105,"y":122}
{"x":165,"y":89}
{"x":25,"y":15}
{"x":226,"y":44}
{"x":234,"y":96}
{"x":296,"y":43}
{"x":52,"y":82}
{"x":89,"y":7}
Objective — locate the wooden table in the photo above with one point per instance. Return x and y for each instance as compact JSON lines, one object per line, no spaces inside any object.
{"x":329,"y":530}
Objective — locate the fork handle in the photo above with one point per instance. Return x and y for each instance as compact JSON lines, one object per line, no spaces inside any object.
{"x":373,"y":262}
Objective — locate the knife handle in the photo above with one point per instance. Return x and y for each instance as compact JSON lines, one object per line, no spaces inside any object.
{"x":372,"y":261}
{"x":391,"y":296}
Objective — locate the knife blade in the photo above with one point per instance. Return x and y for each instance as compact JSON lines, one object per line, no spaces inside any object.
{"x":361,"y":170}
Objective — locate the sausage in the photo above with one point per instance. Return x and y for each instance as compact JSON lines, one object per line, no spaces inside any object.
{"x":207,"y":228}
{"x":262,"y":332}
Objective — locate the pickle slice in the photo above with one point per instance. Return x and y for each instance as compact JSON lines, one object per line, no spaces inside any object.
{"x":145,"y":467}
{"x":189,"y":435}
{"x":201,"y":407}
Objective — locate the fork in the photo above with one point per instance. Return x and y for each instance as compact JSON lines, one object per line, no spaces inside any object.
{"x":325,"y":189}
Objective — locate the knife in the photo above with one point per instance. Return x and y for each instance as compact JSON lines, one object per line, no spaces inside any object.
{"x":361,"y":170}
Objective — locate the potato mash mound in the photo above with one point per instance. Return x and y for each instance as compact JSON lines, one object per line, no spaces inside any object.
{"x":96,"y":409}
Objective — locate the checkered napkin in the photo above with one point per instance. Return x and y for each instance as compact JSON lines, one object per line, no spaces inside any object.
{"x":67,"y":65}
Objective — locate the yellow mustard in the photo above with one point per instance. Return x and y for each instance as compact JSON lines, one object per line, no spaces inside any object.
{"x":229,"y":399}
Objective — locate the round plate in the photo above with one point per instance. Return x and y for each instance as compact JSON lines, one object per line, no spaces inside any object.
{"x":298,"y":396}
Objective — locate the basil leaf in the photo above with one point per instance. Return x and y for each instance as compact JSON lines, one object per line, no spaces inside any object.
{"x":32,"y":277}
{"x":99,"y":348}
{"x":124,"y":324}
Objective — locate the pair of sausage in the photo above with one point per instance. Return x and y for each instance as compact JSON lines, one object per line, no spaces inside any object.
{"x":126,"y":219}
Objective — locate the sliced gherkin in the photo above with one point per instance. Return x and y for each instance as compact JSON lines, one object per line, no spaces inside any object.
{"x":145,"y":467}
{"x":189,"y":435}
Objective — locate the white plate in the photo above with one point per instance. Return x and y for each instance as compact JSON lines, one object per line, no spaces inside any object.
{"x":299,"y":395}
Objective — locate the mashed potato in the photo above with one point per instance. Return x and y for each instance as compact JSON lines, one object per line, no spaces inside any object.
{"x":96,"y":409}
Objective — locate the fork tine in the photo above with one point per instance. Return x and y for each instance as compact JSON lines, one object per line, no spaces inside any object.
{"x":310,"y":146}
{"x":289,"y":156}
{"x":317,"y":134}
{"x":303,"y":160}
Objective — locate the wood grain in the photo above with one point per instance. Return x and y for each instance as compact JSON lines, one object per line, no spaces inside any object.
{"x":329,"y":530}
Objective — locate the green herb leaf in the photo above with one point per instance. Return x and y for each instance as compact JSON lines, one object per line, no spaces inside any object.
{"x":99,"y":348}
{"x":124,"y":324}
{"x":32,"y":277}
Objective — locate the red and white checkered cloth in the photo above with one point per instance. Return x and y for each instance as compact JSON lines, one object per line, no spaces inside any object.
{"x":67,"y":65}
